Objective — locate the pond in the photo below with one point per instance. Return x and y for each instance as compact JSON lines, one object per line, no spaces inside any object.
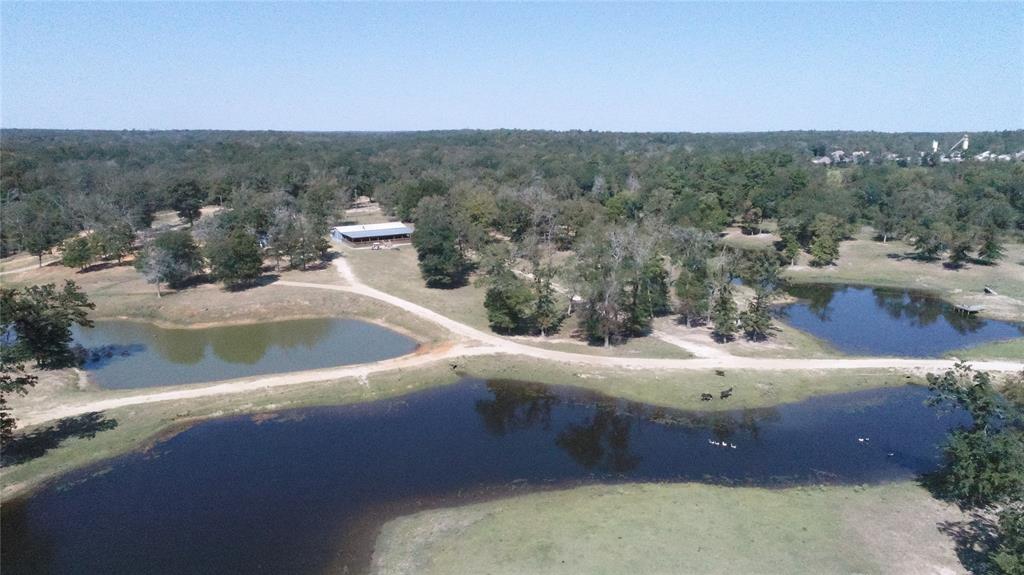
{"x":307,"y":490}
{"x":888,"y":322}
{"x":123,"y":354}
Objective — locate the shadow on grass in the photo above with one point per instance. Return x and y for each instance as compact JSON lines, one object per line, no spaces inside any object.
{"x":263,"y":280}
{"x":100,"y":266}
{"x":974,"y":538}
{"x":28,"y":446}
{"x":193,"y":281}
{"x":459,"y":280}
{"x":912,"y":256}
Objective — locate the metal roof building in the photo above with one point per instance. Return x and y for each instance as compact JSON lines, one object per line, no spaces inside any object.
{"x":368,"y":233}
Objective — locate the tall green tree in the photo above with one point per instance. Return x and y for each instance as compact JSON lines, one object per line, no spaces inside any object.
{"x":77,"y":252}
{"x":984,"y":461}
{"x":41,"y":224}
{"x":40,"y":319}
{"x":187,"y":198}
{"x":991,"y":249}
{"x":411,"y":193}
{"x":323,"y":203}
{"x":172,"y":258}
{"x":113,"y":240}
{"x":510,"y":303}
{"x":442,"y":263}
{"x":750,"y":221}
{"x":789,"y":230}
{"x":647,"y":294}
{"x":927,"y":242}
{"x":547,"y":314}
{"x":723,"y":314}
{"x":756,"y":321}
{"x":235,"y":257}
{"x":692,"y":295}
{"x":310,"y":245}
{"x":828,"y":231}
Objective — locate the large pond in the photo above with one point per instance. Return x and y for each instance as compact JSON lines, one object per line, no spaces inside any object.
{"x":877,"y":321}
{"x":306,"y":491}
{"x":124,"y":354}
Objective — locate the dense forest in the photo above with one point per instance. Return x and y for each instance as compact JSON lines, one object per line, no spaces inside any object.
{"x":641,"y":212}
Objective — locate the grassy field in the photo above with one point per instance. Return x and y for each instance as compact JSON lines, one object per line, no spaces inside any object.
{"x":678,"y":528}
{"x":868,"y":262}
{"x":18,"y":261}
{"x":120,"y":292}
{"x":397,"y":272}
{"x":785,"y":341}
{"x":751,"y":388}
{"x":1010,"y":349}
{"x":636,"y":347}
{"x":734,"y":237}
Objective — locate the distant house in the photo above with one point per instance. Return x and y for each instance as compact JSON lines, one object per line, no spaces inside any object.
{"x":370,"y":233}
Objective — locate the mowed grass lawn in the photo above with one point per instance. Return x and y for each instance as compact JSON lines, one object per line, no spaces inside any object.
{"x":397,"y":272}
{"x":678,"y":528}
{"x":120,"y":292}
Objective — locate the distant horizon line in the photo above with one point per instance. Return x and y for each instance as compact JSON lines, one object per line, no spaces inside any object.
{"x":548,"y":130}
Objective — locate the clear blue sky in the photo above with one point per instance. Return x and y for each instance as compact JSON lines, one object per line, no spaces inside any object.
{"x":629,"y":67}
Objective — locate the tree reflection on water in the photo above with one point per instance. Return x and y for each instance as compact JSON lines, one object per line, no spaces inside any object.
{"x":598,"y":438}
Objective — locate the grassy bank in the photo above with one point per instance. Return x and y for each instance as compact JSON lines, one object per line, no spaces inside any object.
{"x":136,"y":425}
{"x":649,"y":347}
{"x":681,"y":390}
{"x":864,"y":261}
{"x":1009,"y":349}
{"x":678,"y":528}
{"x":120,"y":292}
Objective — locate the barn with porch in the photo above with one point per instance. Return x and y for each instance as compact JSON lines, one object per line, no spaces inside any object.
{"x":369,"y":234}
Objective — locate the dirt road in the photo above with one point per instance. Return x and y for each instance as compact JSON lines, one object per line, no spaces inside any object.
{"x":28,"y":418}
{"x":708,"y":357}
{"x":472,"y":341}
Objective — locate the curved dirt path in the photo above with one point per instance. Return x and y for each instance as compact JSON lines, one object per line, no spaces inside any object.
{"x":34,"y":266}
{"x":248,"y":384}
{"x":477,"y":342}
{"x":712,"y":358}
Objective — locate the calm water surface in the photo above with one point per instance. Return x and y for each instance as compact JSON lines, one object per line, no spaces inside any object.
{"x":126,"y":354}
{"x":876,"y":321}
{"x":307,"y":490}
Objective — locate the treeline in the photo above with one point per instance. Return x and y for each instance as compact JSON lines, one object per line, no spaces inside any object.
{"x":66,"y":181}
{"x":233,"y":242}
{"x":577,"y":191}
{"x":616,"y":273}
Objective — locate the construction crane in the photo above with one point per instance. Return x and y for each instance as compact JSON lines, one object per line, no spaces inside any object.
{"x":965,"y":141}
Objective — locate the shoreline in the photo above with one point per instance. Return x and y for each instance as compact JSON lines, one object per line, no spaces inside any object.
{"x":163,"y":324}
{"x":364,"y":530}
{"x":150,"y":421}
{"x":944,"y":295}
